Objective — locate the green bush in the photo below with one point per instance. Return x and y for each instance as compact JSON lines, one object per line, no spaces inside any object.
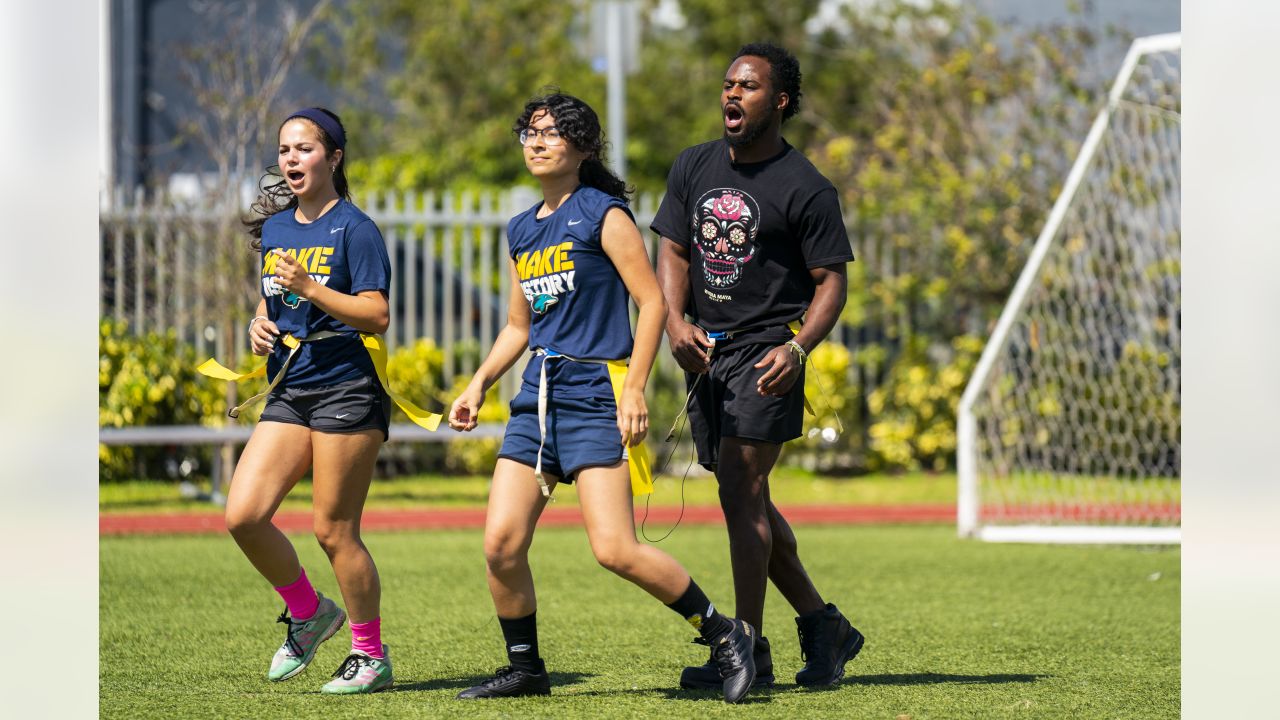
{"x":417,"y":372}
{"x":477,"y":456}
{"x":1127,"y":418}
{"x":833,"y":390}
{"x":913,"y":413}
{"x":146,"y":380}
{"x":907,"y":422}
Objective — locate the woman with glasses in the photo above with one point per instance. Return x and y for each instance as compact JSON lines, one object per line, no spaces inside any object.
{"x":576,"y":259}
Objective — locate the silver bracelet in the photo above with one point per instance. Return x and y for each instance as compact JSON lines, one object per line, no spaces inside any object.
{"x":799,"y":351}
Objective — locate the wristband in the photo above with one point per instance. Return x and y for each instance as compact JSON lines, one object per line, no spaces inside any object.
{"x":798,"y":351}
{"x":256,"y":319}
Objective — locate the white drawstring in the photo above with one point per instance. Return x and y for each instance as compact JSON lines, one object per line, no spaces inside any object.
{"x":542,"y":411}
{"x":542,"y":421}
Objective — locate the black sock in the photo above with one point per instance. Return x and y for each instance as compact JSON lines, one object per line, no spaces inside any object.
{"x":694,"y":606}
{"x":521,"y":636}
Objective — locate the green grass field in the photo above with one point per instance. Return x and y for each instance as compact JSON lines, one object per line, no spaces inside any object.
{"x":788,"y":486}
{"x":955,"y":629}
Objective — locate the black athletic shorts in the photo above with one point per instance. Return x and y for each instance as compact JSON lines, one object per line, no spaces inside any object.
{"x":725,"y":402}
{"x":346,"y":407}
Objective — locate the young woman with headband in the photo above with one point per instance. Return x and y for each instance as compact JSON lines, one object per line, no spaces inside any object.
{"x":325,"y":279}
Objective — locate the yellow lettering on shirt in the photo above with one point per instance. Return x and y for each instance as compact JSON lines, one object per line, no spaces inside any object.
{"x":320,"y":261}
{"x":304,"y":257}
{"x":562,"y":257}
{"x":531,"y":267}
{"x":547,"y":261}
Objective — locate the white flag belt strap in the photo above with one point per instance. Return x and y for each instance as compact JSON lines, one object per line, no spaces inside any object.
{"x":548,"y":354}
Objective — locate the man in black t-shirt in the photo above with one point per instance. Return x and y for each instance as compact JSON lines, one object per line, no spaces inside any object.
{"x":753,"y":241}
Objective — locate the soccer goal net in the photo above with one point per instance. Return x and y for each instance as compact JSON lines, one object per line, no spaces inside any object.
{"x":1069,"y":429}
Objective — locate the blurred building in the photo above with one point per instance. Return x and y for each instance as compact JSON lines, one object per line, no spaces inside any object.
{"x":144,"y":91}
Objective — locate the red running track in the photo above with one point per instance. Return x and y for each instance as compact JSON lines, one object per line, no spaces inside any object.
{"x":437,"y":519}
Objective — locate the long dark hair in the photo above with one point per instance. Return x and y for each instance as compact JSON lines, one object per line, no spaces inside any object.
{"x":274,"y":196}
{"x":581,"y":126}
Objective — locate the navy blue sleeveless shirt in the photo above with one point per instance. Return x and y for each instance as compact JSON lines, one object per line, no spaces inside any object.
{"x":343,"y":250}
{"x":577,"y":300}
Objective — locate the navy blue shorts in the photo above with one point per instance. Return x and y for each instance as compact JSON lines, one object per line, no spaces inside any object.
{"x":581,"y":433}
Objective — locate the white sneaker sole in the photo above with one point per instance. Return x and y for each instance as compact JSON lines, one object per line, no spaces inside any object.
{"x":328,"y":633}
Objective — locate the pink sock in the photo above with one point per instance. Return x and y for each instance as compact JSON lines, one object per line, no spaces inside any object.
{"x":300,"y":597}
{"x":366,"y":637}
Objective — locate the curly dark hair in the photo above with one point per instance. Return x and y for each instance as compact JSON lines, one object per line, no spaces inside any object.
{"x":581,"y":126}
{"x":784,"y":72}
{"x":276,"y":197}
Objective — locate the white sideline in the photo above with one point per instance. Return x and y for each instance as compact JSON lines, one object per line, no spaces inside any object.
{"x":1080,"y":534}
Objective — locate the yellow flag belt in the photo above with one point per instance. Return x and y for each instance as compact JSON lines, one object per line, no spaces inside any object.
{"x":372,"y":344}
{"x":639,"y":463}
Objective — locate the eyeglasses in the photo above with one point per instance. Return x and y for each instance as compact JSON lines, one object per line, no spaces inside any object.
{"x":550,"y":136}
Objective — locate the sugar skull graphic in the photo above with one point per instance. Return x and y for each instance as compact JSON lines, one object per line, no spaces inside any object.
{"x":725,"y":223}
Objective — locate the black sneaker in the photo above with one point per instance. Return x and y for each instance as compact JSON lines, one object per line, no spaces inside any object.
{"x":511,"y":682}
{"x":827,"y":642}
{"x":707,"y":677}
{"x":733,"y":654}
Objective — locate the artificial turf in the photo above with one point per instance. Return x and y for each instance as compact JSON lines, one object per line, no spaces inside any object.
{"x":954,"y":629}
{"x":787,"y":486}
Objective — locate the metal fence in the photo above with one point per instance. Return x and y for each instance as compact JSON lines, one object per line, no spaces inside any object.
{"x":166,"y":265}
{"x":170,"y":266}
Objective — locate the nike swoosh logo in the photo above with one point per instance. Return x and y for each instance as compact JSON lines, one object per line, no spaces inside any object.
{"x":342,"y":415}
{"x":334,"y":230}
{"x":574,"y":222}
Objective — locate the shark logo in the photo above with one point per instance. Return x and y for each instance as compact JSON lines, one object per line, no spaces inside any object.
{"x":546,"y":275}
{"x":542,"y":301}
{"x":292,"y":299}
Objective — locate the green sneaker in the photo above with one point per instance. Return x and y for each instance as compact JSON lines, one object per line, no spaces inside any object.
{"x":303,"y":637}
{"x":360,"y":673}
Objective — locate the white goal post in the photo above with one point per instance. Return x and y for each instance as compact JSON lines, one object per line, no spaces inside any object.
{"x":1069,"y":429}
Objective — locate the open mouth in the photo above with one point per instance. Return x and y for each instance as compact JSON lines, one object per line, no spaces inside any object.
{"x":733,"y":117}
{"x":295,"y":176}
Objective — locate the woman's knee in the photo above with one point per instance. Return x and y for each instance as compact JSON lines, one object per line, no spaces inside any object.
{"x":617,"y":556}
{"x":334,"y":537}
{"x":245,"y":522}
{"x":504,"y":552}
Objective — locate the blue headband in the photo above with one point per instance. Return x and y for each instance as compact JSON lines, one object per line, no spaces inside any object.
{"x":326,"y":123}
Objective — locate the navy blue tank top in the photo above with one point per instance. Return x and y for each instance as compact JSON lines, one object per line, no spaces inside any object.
{"x":577,"y":300}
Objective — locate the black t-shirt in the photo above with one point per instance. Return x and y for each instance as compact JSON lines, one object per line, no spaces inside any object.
{"x":756,"y":229}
